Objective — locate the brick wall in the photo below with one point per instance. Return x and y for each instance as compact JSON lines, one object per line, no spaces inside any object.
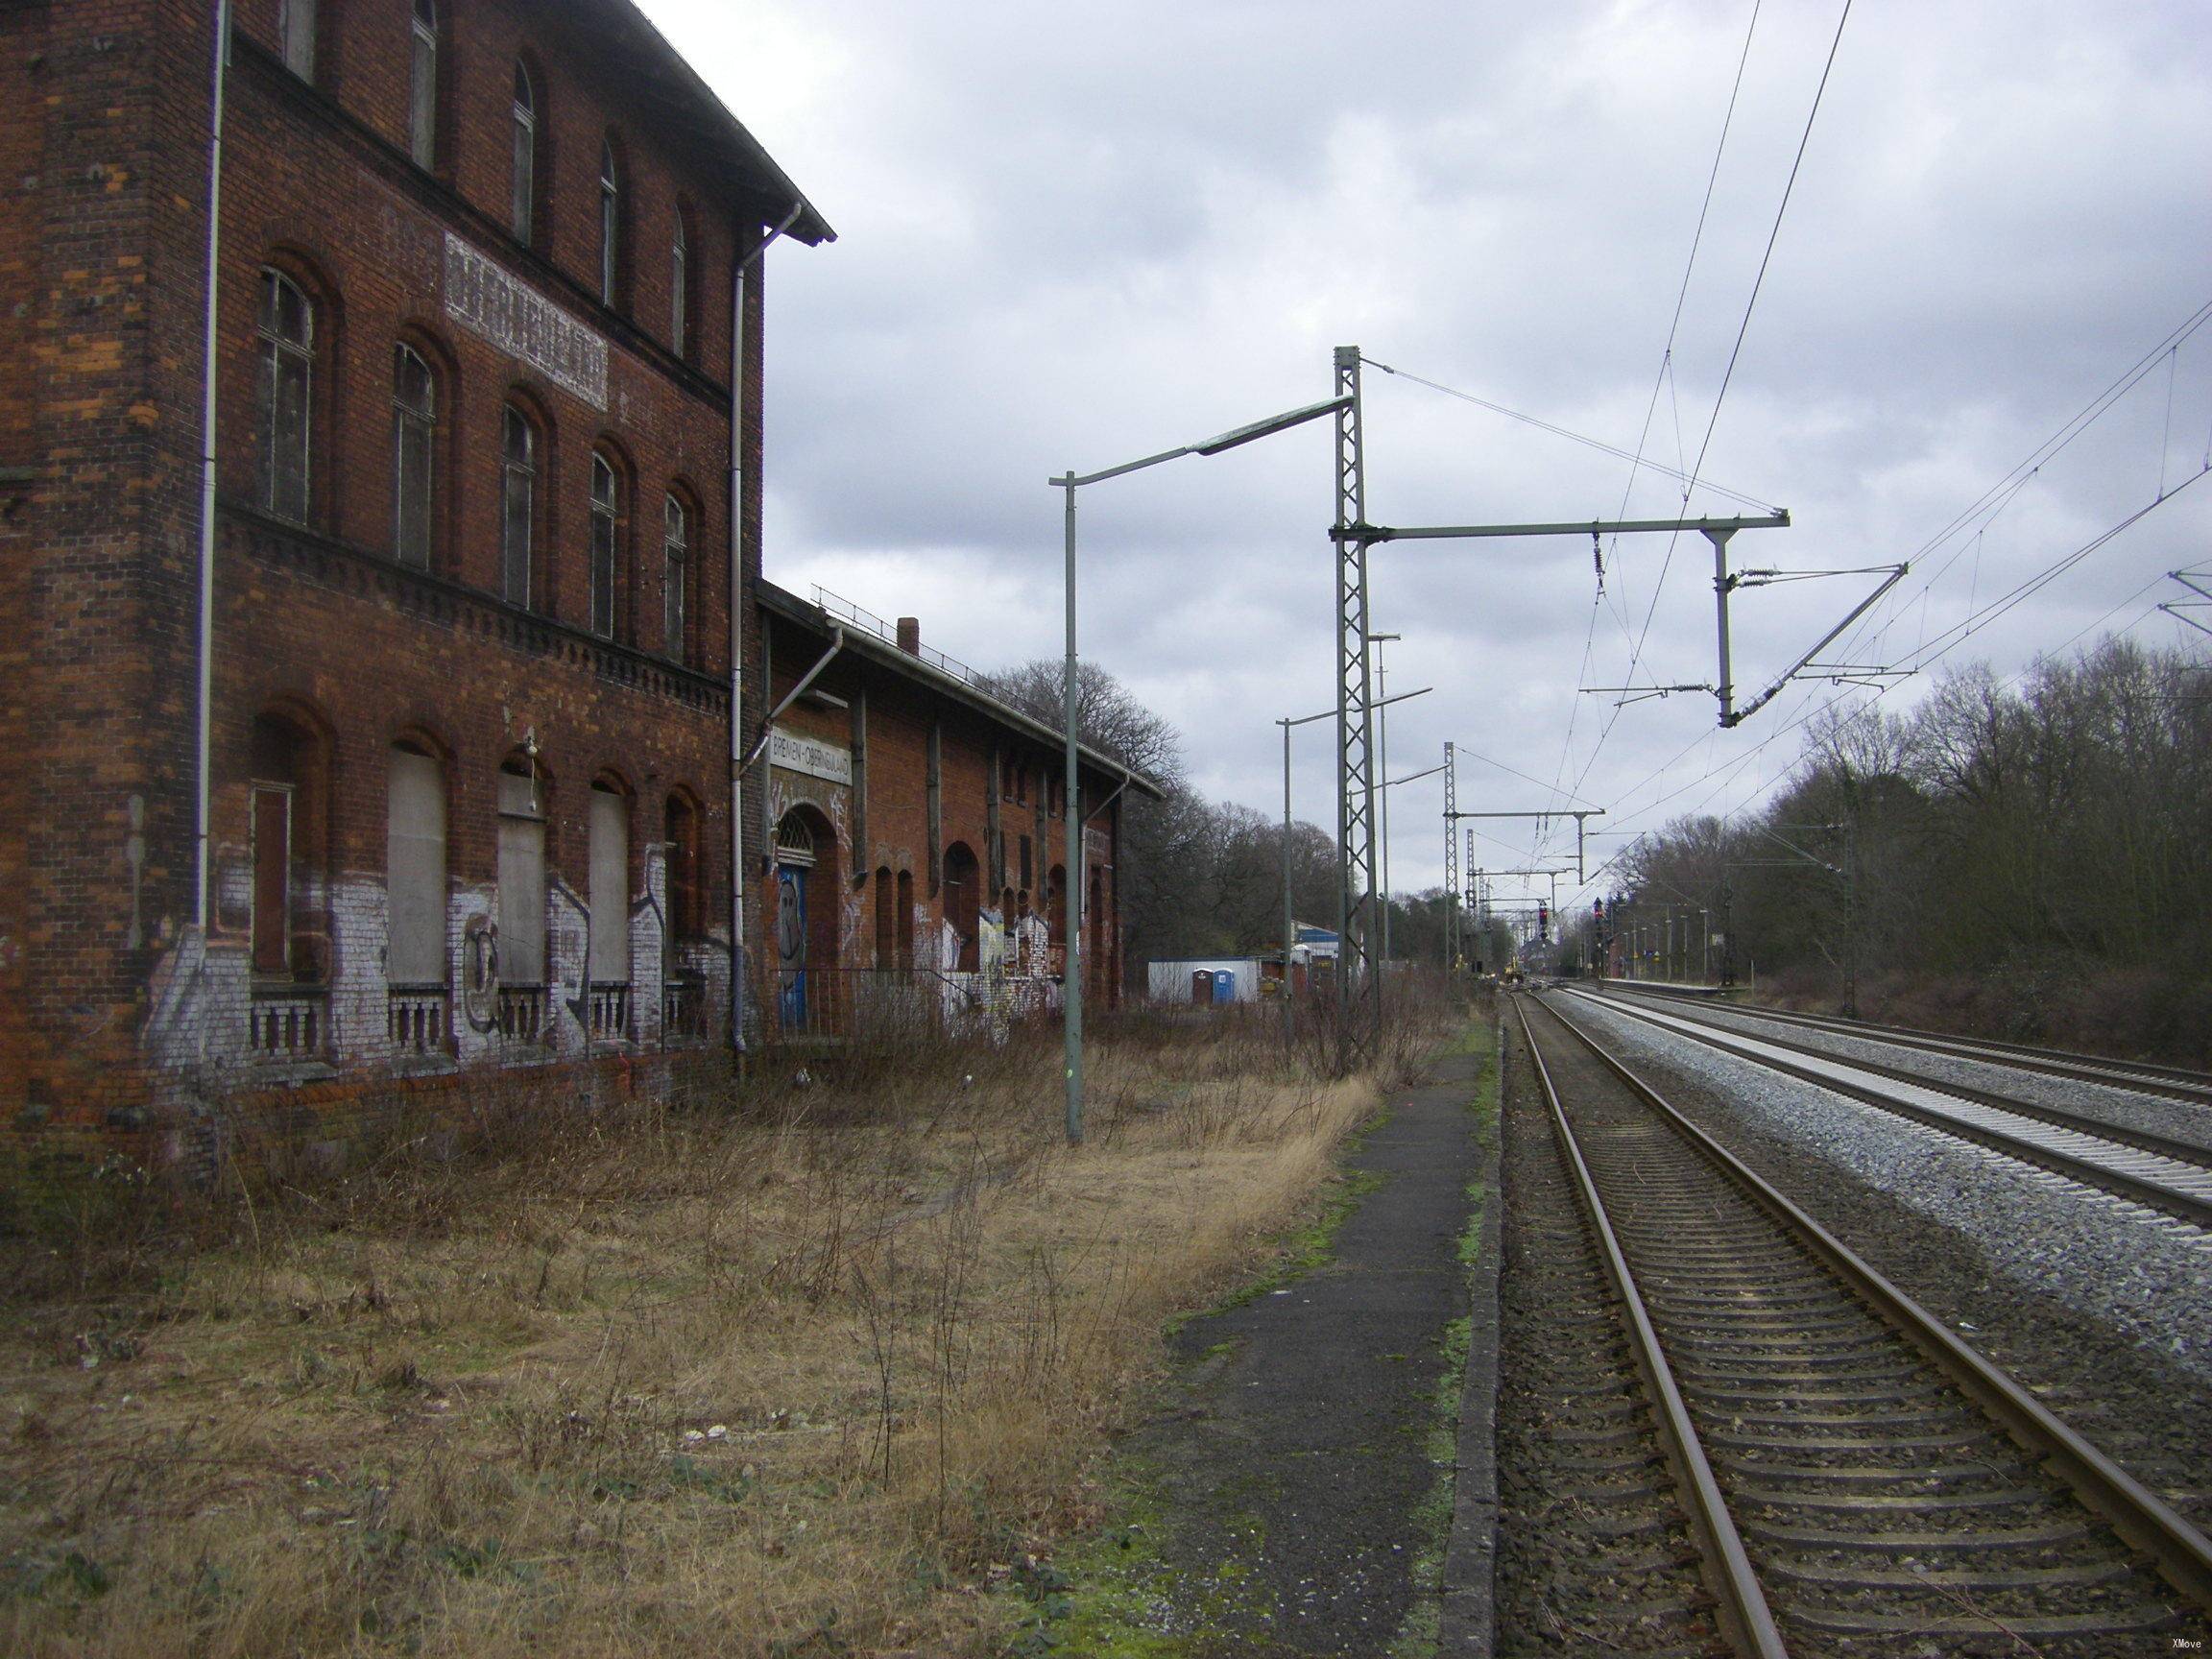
{"x":113,"y":1005}
{"x":882,"y":822}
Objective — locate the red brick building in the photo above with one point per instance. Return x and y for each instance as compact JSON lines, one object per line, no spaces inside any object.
{"x":457,"y":786}
{"x":917,"y":835}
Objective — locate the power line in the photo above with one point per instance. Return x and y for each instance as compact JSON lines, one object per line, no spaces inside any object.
{"x":1558,"y":431}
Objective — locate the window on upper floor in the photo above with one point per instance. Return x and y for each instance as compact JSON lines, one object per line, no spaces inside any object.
{"x":518,"y":505}
{"x":286,"y":328}
{"x":422,"y":86}
{"x":523,"y":204}
{"x":610,"y":223}
{"x":606,"y":540}
{"x":296,"y":35}
{"x":413,"y":456}
{"x":679,"y":308}
{"x":675,"y":573}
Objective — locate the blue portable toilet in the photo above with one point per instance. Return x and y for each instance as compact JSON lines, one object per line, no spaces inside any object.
{"x":1224,"y":985}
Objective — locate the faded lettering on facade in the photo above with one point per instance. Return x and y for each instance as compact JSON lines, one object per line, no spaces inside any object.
{"x":810,"y":756}
{"x":488,"y":301}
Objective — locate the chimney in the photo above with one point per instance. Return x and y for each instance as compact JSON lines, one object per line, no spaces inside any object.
{"x":910,"y":634}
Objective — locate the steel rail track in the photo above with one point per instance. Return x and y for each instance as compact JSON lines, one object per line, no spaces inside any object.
{"x":2173,"y":1177}
{"x":1820,"y":1388}
{"x":2172,"y":1082}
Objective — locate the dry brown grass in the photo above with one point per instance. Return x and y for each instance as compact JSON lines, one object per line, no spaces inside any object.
{"x":680,"y":1381}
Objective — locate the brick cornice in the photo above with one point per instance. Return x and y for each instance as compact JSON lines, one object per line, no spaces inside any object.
{"x":439,"y":601}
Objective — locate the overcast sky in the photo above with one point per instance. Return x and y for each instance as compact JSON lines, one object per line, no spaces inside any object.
{"x":1073,"y":235}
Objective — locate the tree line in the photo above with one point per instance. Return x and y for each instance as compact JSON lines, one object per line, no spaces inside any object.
{"x":1202,"y":878}
{"x":2053,"y":827}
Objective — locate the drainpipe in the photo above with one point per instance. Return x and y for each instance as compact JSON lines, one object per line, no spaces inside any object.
{"x":202,"y":804}
{"x":768,"y":724}
{"x":737,"y":760}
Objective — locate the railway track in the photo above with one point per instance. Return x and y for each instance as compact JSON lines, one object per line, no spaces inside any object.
{"x":1857,"y":1480}
{"x":2169,"y":1176}
{"x":2172,"y":1082}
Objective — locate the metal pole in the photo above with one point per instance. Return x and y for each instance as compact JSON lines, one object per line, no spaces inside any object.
{"x":1289,"y":928}
{"x":1452,"y":950}
{"x":1382,"y":768}
{"x":1722,"y":582}
{"x":1358,"y":990}
{"x":1850,"y":921}
{"x":1072,"y":899}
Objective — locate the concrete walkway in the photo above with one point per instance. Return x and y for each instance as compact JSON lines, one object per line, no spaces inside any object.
{"x":1293,"y":1484}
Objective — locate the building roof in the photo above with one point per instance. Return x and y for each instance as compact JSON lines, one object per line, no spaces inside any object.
{"x":630,"y":45}
{"x":865,"y":642}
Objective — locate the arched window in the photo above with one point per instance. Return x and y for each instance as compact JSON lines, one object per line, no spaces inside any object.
{"x":413,"y":456}
{"x":287,"y":341}
{"x":521,"y":878}
{"x":606,"y":527}
{"x":679,"y":284}
{"x":518,"y":505}
{"x":686,"y":902}
{"x":422,"y":86}
{"x":415,"y":870}
{"x":523,"y":203}
{"x":288,"y":791}
{"x":905,"y":920}
{"x":610,"y":222}
{"x":886,"y":920}
{"x":963,"y":899}
{"x":675,"y":573}
{"x":610,"y":865}
{"x":295,"y":34}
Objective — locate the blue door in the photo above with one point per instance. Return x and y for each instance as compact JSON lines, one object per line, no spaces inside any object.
{"x":1224,"y":985}
{"x":792,"y":947}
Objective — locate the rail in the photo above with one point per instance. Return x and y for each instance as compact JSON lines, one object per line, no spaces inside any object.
{"x":2183,"y":1555}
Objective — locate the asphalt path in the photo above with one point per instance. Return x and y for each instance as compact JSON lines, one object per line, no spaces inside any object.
{"x":1293,"y":1481}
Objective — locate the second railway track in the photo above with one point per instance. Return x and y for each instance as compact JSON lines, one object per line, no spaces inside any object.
{"x":1860,"y":1482}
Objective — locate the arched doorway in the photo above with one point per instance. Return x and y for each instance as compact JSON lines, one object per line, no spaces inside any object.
{"x":963,"y":904}
{"x":806,"y":920}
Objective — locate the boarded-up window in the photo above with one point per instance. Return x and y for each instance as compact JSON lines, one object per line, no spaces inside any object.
{"x":905,"y":919}
{"x":521,"y":879}
{"x":886,"y":918}
{"x":415,"y":870}
{"x":609,"y":886}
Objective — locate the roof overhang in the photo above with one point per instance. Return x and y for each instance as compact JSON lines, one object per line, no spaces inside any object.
{"x":787,"y":605}
{"x":629,"y":44}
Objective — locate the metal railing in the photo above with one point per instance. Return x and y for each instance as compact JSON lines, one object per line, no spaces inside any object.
{"x":845,"y":610}
{"x":841,"y":1004}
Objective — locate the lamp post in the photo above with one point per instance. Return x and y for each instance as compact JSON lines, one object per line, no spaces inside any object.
{"x":1289,"y":926}
{"x":1382,"y":817}
{"x":1382,"y":768}
{"x":1071,"y":973}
